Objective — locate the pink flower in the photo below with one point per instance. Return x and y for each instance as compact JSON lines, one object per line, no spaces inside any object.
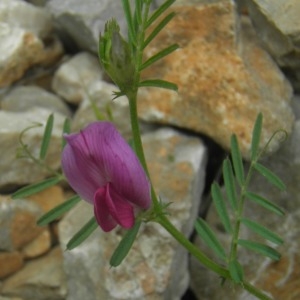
{"x":102,"y":168}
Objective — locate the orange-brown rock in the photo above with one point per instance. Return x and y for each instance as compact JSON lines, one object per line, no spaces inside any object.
{"x":40,"y":245}
{"x":10,"y":262}
{"x":48,"y":198}
{"x":18,"y":223}
{"x":225,"y":79}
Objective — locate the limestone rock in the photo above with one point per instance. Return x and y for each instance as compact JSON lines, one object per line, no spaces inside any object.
{"x":25,"y":51}
{"x":74,"y":77}
{"x":25,"y":39}
{"x":18,"y":223}
{"x":280,"y":279}
{"x":24,"y":98}
{"x":82,"y":22}
{"x":19,"y":171}
{"x":10,"y":262}
{"x":277,"y":25}
{"x":20,"y":14}
{"x":48,"y":198}
{"x":221,"y":89}
{"x":156,"y":265}
{"x":100,"y":95}
{"x":40,"y":279}
{"x":40,"y":245}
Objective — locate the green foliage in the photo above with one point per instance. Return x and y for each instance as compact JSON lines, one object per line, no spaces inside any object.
{"x":236,"y":271}
{"x":270,"y":176}
{"x":159,"y":84}
{"x":123,"y":60}
{"x":35,"y":187}
{"x":66,"y":130}
{"x":221,"y":206}
{"x":159,"y":56}
{"x":208,"y":236}
{"x":263,"y":231}
{"x":264,"y":203}
{"x":82,"y":234}
{"x":229,"y":182}
{"x":158,"y":29}
{"x":256,"y":134}
{"x":58,"y":211}
{"x":125,"y":245}
{"x":260,"y":248}
{"x":236,"y":185}
{"x":46,"y":137}
{"x":237,"y":160}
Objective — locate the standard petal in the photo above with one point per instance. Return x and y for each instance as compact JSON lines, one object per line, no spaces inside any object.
{"x":77,"y":178}
{"x":104,"y":156}
{"x":110,"y":207}
{"x":119,"y":162}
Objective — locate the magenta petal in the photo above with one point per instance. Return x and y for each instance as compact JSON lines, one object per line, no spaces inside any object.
{"x":122,"y":166}
{"x":118,"y":163}
{"x":110,"y":207}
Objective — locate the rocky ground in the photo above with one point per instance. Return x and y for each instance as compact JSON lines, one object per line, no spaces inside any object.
{"x":236,"y":59}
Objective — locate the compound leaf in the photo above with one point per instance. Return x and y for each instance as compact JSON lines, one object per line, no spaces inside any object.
{"x":265,"y":203}
{"x":157,"y":13}
{"x":82,"y":234}
{"x":208,"y":236}
{"x":158,"y":56}
{"x":256,"y":133}
{"x":270,"y":176}
{"x":229,"y":182}
{"x":159,"y":83}
{"x":35,"y":187}
{"x":260,"y":248}
{"x":125,"y":245}
{"x":236,"y":271}
{"x":46,"y":137}
{"x":237,"y":160}
{"x":262,"y":231}
{"x":158,"y":28}
{"x":58,"y":211}
{"x":220,"y":206}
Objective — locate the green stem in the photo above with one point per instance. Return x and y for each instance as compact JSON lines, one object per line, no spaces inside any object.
{"x":238,"y":216}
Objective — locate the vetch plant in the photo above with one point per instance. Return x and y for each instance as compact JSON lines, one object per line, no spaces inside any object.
{"x":104,"y":170}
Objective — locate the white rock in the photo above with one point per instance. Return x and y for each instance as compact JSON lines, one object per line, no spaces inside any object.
{"x":156,"y":267}
{"x":277,"y":23}
{"x":25,"y":40}
{"x":73,"y":79}
{"x":100,"y":94}
{"x":24,"y":98}
{"x":20,"y":14}
{"x":20,"y":171}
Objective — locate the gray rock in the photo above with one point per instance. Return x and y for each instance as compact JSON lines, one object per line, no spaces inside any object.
{"x":21,"y":53}
{"x":18,"y":223}
{"x":19,"y":14}
{"x":277,"y":25}
{"x":24,"y":98}
{"x":156,"y":267}
{"x":100,"y":95}
{"x":281,"y":279}
{"x":19,"y":171}
{"x":82,"y":21}
{"x":73,"y":78}
{"x":40,"y":279}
